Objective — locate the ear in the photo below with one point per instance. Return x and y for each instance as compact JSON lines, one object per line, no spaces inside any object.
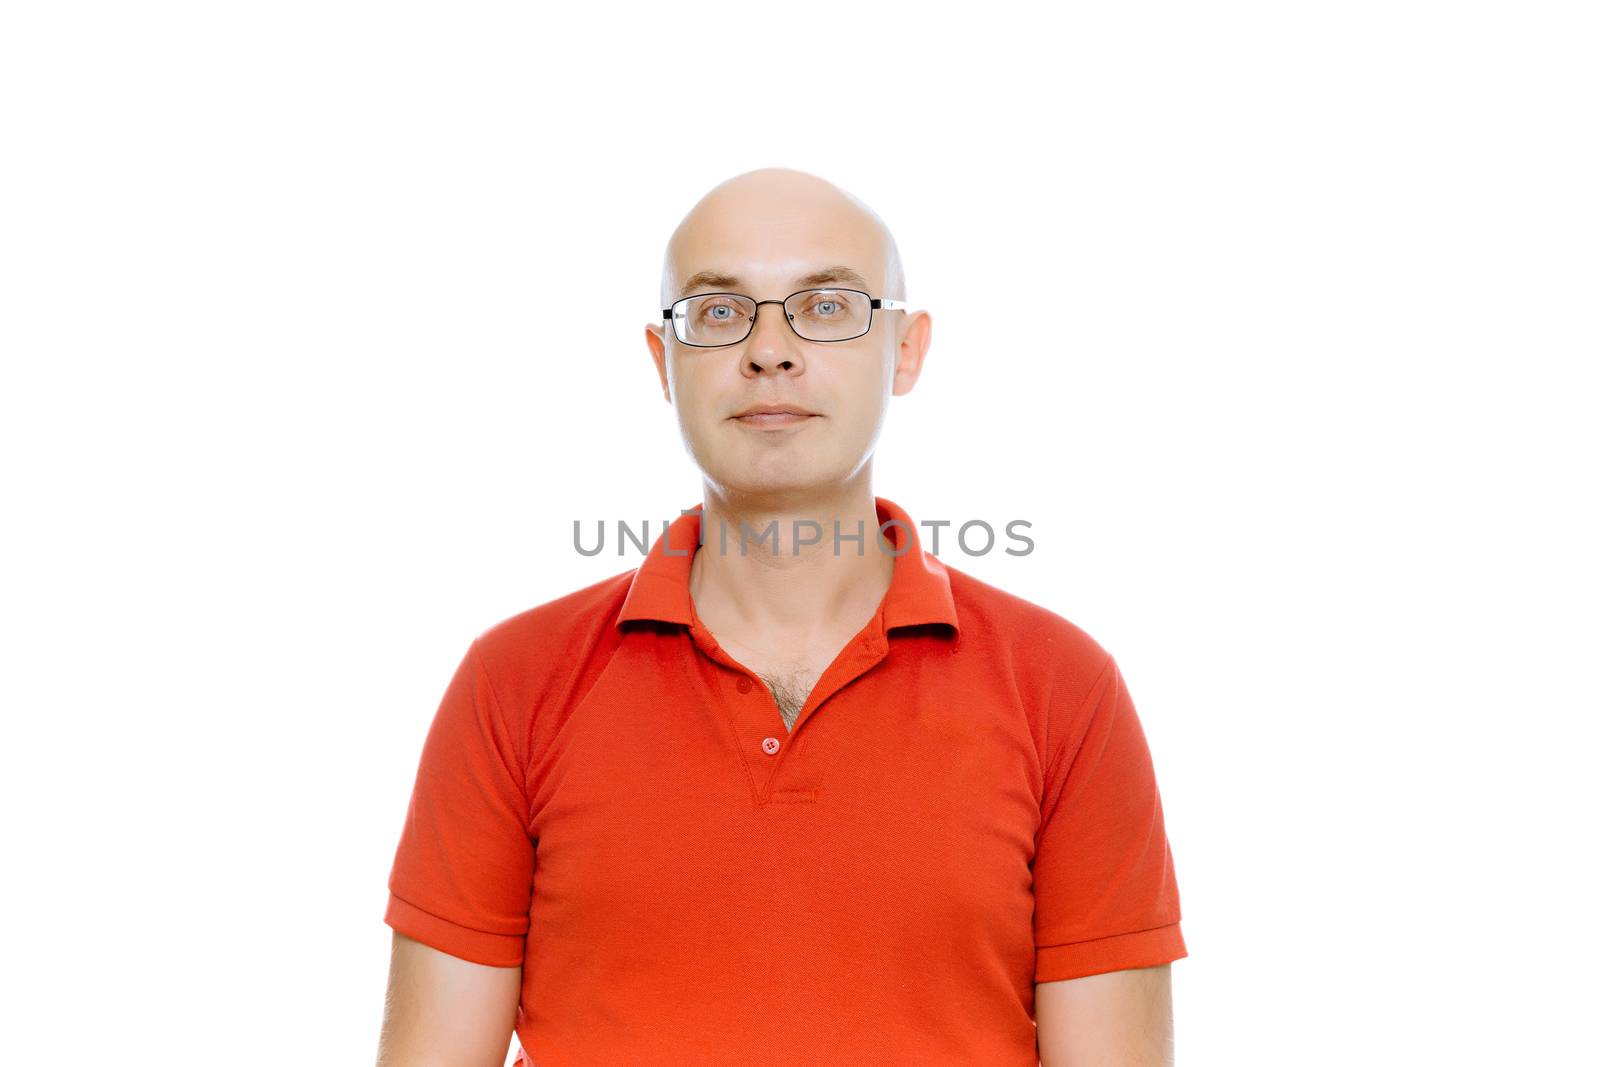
{"x":915,"y":337}
{"x":655,"y":340}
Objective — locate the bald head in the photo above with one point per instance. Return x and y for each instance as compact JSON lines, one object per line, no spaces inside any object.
{"x":765,"y":232}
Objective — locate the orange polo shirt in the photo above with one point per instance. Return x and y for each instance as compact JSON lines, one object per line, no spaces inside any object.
{"x":966,"y":806}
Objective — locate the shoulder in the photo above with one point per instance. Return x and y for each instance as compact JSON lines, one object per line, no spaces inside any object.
{"x":1053,"y":665}
{"x":536,"y":665}
{"x":1027,"y":635}
{"x":554,"y":639}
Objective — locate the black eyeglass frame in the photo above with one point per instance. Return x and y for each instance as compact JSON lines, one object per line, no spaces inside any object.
{"x":874,"y":304}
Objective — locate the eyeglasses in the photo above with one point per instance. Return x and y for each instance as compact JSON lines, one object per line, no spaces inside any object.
{"x":711,"y":320}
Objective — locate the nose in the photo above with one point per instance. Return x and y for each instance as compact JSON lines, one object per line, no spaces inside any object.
{"x":772,"y":342}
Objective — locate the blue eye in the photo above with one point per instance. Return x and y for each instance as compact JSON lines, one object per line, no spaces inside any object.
{"x":829,"y":307}
{"x":721,"y":313}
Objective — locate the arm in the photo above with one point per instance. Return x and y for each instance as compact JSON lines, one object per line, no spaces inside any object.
{"x":461,"y":886}
{"x":442,"y":1011}
{"x":1117,"y":1019}
{"x":1106,"y":909}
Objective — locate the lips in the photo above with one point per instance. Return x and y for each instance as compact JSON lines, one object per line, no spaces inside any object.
{"x":774,"y":416}
{"x":773,"y":409}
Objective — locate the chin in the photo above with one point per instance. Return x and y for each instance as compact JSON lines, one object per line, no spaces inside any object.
{"x":753,"y":485}
{"x":776,"y":478}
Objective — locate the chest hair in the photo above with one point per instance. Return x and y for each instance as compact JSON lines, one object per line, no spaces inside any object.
{"x":790,"y":690}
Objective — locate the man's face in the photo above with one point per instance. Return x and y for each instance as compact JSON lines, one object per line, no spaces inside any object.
{"x":767,"y":242}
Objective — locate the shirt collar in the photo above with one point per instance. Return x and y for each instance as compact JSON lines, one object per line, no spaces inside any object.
{"x":919,"y":591}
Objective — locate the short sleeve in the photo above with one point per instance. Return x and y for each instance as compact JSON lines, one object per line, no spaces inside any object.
{"x":462,"y":878}
{"x":1105,"y":892}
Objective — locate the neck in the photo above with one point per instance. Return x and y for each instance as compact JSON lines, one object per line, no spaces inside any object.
{"x":779,"y":585}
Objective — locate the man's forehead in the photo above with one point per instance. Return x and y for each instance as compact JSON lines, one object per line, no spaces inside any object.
{"x":775,"y":250}
{"x":733,"y":279}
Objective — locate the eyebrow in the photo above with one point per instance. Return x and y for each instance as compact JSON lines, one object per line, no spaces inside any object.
{"x":718,"y":281}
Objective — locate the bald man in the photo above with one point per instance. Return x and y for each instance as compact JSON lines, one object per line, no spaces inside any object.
{"x":700,"y":812}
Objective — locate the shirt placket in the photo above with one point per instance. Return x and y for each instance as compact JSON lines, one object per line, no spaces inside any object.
{"x":776,"y":757}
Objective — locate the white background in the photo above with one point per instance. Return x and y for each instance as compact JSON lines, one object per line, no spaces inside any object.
{"x":322,"y":322}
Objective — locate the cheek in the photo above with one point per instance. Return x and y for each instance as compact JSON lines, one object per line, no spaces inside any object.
{"x":863,"y":391}
{"x":690,"y":392}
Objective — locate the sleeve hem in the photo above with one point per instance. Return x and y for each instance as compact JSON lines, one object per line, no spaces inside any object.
{"x":474,"y":946}
{"x":1119,"y":952}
